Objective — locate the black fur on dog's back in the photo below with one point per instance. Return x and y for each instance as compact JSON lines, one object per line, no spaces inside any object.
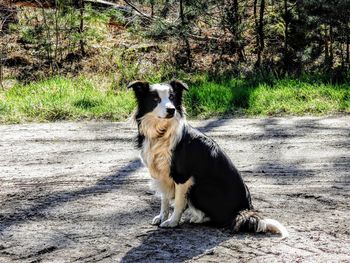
{"x":218,"y":190}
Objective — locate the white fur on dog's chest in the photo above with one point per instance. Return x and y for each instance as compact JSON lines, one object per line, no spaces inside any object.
{"x":157,"y":158}
{"x":157,"y":148}
{"x":160,"y":137}
{"x":156,"y":155}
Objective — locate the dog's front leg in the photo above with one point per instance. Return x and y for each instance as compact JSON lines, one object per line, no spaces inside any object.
{"x":179,"y":205}
{"x":164,"y":211}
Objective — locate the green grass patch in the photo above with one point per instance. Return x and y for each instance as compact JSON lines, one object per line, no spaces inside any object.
{"x":80,"y":98}
{"x":209,"y":98}
{"x":63,"y":99}
{"x":298,"y":98}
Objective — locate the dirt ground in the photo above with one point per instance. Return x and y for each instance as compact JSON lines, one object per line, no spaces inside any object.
{"x":77,"y":192}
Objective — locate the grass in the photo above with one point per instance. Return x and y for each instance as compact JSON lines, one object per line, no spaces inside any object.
{"x":61,"y":98}
{"x":298,"y":98}
{"x":277,"y":98}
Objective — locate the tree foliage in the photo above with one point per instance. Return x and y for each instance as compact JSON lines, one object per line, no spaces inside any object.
{"x":289,"y":36}
{"x":282,"y":37}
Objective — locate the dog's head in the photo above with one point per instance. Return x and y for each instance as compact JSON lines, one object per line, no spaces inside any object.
{"x":163,"y":100}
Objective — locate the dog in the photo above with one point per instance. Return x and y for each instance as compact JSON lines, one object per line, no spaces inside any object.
{"x":188,"y":168}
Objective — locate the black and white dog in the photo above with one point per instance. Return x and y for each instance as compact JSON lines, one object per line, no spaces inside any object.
{"x":189,"y":168}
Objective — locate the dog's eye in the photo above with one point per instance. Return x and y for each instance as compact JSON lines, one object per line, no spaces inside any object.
{"x":156,"y":99}
{"x":171,"y":97}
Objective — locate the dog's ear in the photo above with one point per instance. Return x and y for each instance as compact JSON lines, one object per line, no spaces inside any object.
{"x":178,"y":85}
{"x":139,"y":86}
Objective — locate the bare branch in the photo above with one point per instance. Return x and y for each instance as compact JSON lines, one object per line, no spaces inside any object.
{"x":148,"y":17}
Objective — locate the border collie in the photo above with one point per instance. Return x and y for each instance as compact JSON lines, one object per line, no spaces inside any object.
{"x":188,"y":168}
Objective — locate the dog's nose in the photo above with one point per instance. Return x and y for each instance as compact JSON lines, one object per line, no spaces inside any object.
{"x":170,"y":111}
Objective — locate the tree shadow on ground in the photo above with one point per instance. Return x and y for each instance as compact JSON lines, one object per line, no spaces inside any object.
{"x":210,"y":125}
{"x":50,"y":201}
{"x":186,"y":242}
{"x":176,"y":245}
{"x":273,"y":166}
{"x":279,"y":134}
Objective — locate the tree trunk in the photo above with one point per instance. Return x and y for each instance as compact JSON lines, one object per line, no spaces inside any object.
{"x":165,"y":10}
{"x":258,"y":59}
{"x":286,"y":25}
{"x":185,"y":36}
{"x":261,"y":25}
{"x":235,"y":10}
{"x":2,"y":51}
{"x":188,"y":53}
{"x":237,"y":36}
{"x":326,"y":48}
{"x":152,"y":9}
{"x":1,"y":67}
{"x":286,"y":58}
{"x":347,"y":49}
{"x":259,"y":30}
{"x":48,"y":47}
{"x":81,"y":27}
{"x":57,"y":32}
{"x":182,"y":12}
{"x":342,"y":56}
{"x":331,"y":54}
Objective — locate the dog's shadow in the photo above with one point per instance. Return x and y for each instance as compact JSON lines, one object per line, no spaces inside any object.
{"x":185,"y":242}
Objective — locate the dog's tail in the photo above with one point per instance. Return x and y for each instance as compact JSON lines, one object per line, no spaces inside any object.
{"x":250,"y":221}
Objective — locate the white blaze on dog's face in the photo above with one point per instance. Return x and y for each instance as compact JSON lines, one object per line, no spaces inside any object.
{"x":164,"y":95}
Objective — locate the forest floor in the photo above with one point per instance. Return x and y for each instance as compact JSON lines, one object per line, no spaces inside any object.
{"x":77,"y":192}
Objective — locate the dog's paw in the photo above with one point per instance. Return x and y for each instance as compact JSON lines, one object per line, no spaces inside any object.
{"x":195,"y":220}
{"x":169,"y":223}
{"x":199,"y":220}
{"x":157,"y":220}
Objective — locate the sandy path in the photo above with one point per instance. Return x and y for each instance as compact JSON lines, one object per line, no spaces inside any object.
{"x":76,"y":192}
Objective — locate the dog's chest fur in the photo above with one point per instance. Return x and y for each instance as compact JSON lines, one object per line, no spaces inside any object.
{"x":156,"y":153}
